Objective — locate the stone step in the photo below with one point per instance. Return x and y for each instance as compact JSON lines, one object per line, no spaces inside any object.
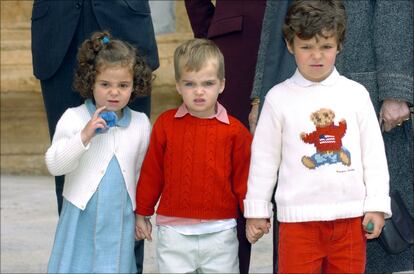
{"x":20,"y":39}
{"x":24,"y":131}
{"x":17,"y":72}
{"x":20,"y":56}
{"x":16,"y":14}
{"x":18,"y":78}
{"x":24,"y":127}
{"x":12,"y":39}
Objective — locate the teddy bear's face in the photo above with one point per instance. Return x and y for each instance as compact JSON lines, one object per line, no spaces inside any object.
{"x":323,"y":117}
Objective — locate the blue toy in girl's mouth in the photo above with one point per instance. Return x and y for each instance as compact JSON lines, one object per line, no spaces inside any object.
{"x":110,"y":119}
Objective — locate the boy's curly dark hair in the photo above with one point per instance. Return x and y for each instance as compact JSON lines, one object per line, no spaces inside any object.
{"x":102,"y":50}
{"x":308,"y":18}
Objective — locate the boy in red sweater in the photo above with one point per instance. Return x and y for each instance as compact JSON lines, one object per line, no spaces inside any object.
{"x":197,"y":162}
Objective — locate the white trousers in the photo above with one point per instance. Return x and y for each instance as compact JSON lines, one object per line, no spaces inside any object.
{"x":206,"y":253}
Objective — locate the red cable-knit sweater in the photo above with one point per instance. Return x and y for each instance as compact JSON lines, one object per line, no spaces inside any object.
{"x":199,"y":167}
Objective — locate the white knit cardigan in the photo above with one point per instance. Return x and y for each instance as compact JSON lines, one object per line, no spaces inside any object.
{"x":84,"y":167}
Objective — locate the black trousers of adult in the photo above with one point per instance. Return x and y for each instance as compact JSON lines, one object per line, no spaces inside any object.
{"x":275,"y":234}
{"x":245,"y":248}
{"x":59,"y":95}
{"x":275,"y":243}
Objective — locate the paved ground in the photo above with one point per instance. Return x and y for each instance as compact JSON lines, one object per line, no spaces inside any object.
{"x":28,"y":222}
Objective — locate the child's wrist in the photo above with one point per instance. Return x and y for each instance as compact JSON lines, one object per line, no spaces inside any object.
{"x":84,"y":138}
{"x":143,"y":217}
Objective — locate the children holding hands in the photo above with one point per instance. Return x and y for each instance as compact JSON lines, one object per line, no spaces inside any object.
{"x":196,"y":167}
{"x":101,"y":160}
{"x":318,"y":137}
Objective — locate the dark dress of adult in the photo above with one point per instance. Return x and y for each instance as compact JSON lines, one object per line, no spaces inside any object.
{"x":378,"y":53}
{"x":58,"y":29}
{"x":235,"y":27}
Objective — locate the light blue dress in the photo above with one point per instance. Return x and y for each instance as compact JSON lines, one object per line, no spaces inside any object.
{"x":99,"y":239}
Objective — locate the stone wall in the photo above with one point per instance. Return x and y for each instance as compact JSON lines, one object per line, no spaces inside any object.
{"x":24,"y":133}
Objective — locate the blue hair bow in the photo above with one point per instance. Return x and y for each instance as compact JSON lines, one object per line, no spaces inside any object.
{"x":105,"y":40}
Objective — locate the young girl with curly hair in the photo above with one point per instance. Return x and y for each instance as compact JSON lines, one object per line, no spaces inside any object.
{"x":99,"y":147}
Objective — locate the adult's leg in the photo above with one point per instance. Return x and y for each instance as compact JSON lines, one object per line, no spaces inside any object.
{"x":275,"y":233}
{"x":245,"y":247}
{"x":275,"y":242}
{"x":58,"y":96}
{"x":139,"y":255}
{"x":142,"y":104}
{"x":399,"y":146}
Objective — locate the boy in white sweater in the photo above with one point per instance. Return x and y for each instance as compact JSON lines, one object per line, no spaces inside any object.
{"x":318,"y":137}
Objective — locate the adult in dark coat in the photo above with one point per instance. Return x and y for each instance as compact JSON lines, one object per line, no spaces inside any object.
{"x":58,"y":29}
{"x":235,"y":27}
{"x":378,"y":54}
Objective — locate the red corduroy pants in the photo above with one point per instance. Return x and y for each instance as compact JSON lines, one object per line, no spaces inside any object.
{"x":337,"y":246}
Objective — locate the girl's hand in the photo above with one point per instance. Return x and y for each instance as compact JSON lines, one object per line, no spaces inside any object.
{"x":377,"y":220}
{"x":89,"y":131}
{"x":143,"y":228}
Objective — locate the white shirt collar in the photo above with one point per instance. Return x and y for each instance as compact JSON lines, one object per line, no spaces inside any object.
{"x":298,"y":79}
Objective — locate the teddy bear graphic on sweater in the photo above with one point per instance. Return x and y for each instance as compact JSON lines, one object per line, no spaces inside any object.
{"x":327,"y":139}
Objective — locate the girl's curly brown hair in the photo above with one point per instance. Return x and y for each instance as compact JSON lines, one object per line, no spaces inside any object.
{"x":100,"y":51}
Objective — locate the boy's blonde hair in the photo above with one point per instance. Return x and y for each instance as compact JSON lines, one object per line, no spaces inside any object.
{"x":193,"y":54}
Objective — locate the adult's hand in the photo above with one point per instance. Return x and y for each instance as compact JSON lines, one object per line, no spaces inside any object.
{"x":393,"y":113}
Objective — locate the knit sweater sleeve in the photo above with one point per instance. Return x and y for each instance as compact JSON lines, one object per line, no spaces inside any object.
{"x":393,"y":20}
{"x":264,"y":164}
{"x":64,"y":154}
{"x":151,"y":179}
{"x":241,"y":163}
{"x":376,"y":177}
